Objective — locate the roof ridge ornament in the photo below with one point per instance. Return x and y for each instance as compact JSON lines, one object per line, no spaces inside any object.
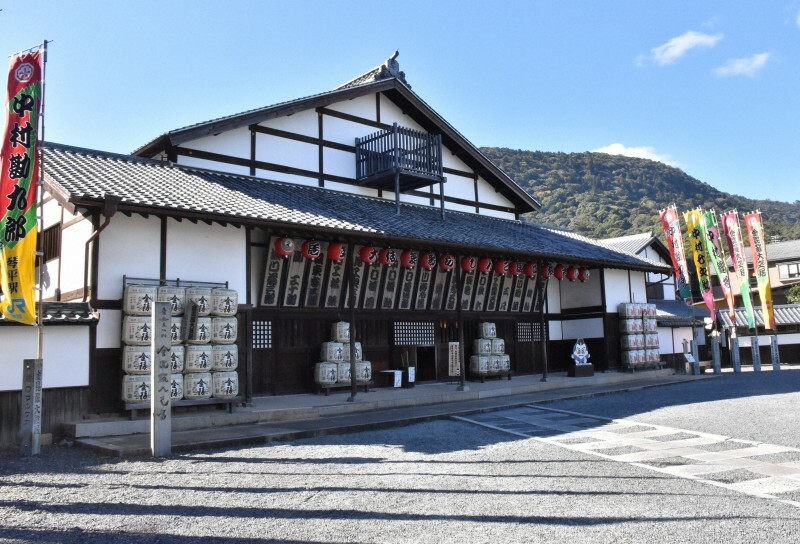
{"x":391,"y":68}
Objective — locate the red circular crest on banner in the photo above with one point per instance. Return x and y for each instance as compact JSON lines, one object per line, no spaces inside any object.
{"x":484,"y":265}
{"x":572,"y":273}
{"x":583,"y":274}
{"x":336,"y":251}
{"x":311,"y":249}
{"x":446,"y":262}
{"x":284,"y":246}
{"x":368,"y":255}
{"x":428,"y":260}
{"x":388,"y":257}
{"x":408,"y":258}
{"x":468,"y":264}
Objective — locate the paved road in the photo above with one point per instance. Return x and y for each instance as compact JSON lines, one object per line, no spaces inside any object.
{"x":534,"y":477}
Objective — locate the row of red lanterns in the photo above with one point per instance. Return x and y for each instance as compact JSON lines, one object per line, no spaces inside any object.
{"x":427,"y":259}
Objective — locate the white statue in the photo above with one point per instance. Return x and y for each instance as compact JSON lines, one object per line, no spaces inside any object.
{"x":580,"y":353}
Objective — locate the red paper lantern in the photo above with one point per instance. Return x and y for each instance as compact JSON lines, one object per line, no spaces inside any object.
{"x":284,"y":246}
{"x":484,"y":265}
{"x":546,"y":271}
{"x":501,"y":267}
{"x":559,"y":272}
{"x":572,"y":273}
{"x":583,"y":274}
{"x":428,"y":260}
{"x":368,"y":254}
{"x":515,"y":268}
{"x":311,"y":249}
{"x":408,"y":258}
{"x":336,"y":251}
{"x":388,"y":257}
{"x":530,"y":270}
{"x":446,"y":262}
{"x":468,"y":264}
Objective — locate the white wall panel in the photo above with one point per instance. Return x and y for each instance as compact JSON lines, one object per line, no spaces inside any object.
{"x":339,"y":163}
{"x":553,"y":297}
{"x":234,"y":143}
{"x":390,"y":113}
{"x":617,"y":290}
{"x":581,"y":295}
{"x":764,"y":340}
{"x":582,"y":328}
{"x":671,"y":340}
{"x":363,"y":106}
{"x":353,"y":189}
{"x":51,"y":213}
{"x":638,"y":286}
{"x":488,"y":195}
{"x":554,"y":330}
{"x":288,"y":178}
{"x":287,"y":152}
{"x":73,"y":247}
{"x":128,"y":246}
{"x":460,"y":187}
{"x":200,"y":252}
{"x":50,"y":278}
{"x":345,"y":132}
{"x":213,"y":165}
{"x":303,"y":122}
{"x":496,"y":213}
{"x":109,"y":329}
{"x":65,"y":354}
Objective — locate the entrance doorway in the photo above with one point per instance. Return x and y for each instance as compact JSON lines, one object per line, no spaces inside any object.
{"x":426,"y":364}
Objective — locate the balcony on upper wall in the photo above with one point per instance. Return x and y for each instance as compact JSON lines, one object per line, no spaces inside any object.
{"x":399,"y":159}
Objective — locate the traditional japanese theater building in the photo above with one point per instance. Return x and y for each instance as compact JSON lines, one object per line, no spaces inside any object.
{"x":291,"y":205}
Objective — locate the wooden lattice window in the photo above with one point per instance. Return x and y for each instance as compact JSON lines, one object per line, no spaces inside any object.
{"x":262,"y":334}
{"x":51,"y":242}
{"x":414,"y":333}
{"x":529,"y":332}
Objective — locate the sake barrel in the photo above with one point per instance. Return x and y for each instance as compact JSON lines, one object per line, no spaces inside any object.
{"x":340,"y":332}
{"x":628,"y":358}
{"x":224,"y":385}
{"x":498,"y":346}
{"x":343,"y":373}
{"x":175,"y":327}
{"x":197,"y":385}
{"x":487,"y":330}
{"x":325,"y":373}
{"x":136,"y":359}
{"x":629,"y":310}
{"x":346,"y":351}
{"x":202,"y":331}
{"x":224,"y":357}
{"x":223,"y":330}
{"x":631,"y":326}
{"x":137,"y":330}
{"x":139,"y":299}
{"x":332,"y":351}
{"x":224,"y":302}
{"x":198,"y":358}
{"x":482,"y":346}
{"x":176,"y":386}
{"x":176,"y":358}
{"x":136,"y":388}
{"x":650,"y":324}
{"x":363,"y":371}
{"x":201,"y":296}
{"x":176,"y":296}
{"x":650,"y":341}
{"x":479,"y":364}
{"x":505,"y":363}
{"x":649,"y":310}
{"x":494,"y":364}
{"x":631,"y":341}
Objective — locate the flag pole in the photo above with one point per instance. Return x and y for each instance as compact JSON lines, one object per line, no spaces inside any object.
{"x":40,"y":217}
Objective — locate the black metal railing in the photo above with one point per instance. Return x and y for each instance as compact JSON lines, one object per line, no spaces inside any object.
{"x":399,"y":148}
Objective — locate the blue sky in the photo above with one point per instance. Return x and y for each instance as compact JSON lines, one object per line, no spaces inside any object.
{"x":710,"y":87}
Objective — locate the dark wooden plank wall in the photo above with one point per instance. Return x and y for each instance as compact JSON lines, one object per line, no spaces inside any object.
{"x":58,"y":405}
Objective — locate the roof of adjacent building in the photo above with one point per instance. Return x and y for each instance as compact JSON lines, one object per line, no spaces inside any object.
{"x":85,"y":178}
{"x":63,"y":313}
{"x":676,"y":313}
{"x":385,"y":78}
{"x":779,"y":251}
{"x":785,"y":314}
{"x":633,"y":243}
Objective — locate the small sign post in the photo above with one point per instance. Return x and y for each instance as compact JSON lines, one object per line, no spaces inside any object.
{"x":160,"y":401}
{"x":775,"y":352}
{"x":30,"y":425}
{"x":756,"y":354}
{"x":735,"y":355}
{"x":454,"y":359}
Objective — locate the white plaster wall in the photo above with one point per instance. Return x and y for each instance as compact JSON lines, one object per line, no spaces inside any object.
{"x":390,"y":113}
{"x":765,"y":340}
{"x":554,"y":330}
{"x":616,"y":285}
{"x":339,"y":163}
{"x":287,"y":152}
{"x":289,"y":178}
{"x":582,"y":328}
{"x":201,"y":252}
{"x":363,"y":106}
{"x":460,"y":187}
{"x":73,"y":250}
{"x":304,"y":122}
{"x":50,"y":278}
{"x":354,"y":189}
{"x":671,"y":340}
{"x":345,"y":132}
{"x":51,"y":213}
{"x":128,"y":246}
{"x":577,"y":294}
{"x":213,"y":165}
{"x":109,"y":329}
{"x":553,"y":297}
{"x":65,"y":354}
{"x":495,"y":213}
{"x":488,"y":195}
{"x":235,"y":143}
{"x":638,"y":286}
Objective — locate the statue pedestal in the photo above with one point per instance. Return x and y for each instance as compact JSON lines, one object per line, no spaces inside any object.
{"x":580,"y":371}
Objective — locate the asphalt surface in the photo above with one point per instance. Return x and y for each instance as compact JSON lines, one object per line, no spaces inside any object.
{"x":441,"y":481}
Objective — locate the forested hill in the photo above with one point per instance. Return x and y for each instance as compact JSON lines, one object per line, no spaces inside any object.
{"x":604,"y":196}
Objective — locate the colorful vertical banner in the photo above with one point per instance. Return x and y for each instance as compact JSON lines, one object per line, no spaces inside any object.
{"x":716,"y":253}
{"x":755,"y":229}
{"x":733,"y":234}
{"x":672,"y":232}
{"x":701,"y":257}
{"x":19,"y":167}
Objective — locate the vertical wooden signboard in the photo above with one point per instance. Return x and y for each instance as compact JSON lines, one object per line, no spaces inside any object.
{"x":407,"y":286}
{"x":467,"y":288}
{"x":390,"y":287}
{"x":480,"y":292}
{"x":494,"y":293}
{"x":316,"y":276}
{"x":30,"y":425}
{"x":423,"y":289}
{"x":294,"y":281}
{"x":516,"y":297}
{"x":373,"y":286}
{"x":505,"y":293}
{"x":160,"y":374}
{"x":438,"y":289}
{"x":358,"y":277}
{"x":272,"y":276}
{"x":335,"y":283}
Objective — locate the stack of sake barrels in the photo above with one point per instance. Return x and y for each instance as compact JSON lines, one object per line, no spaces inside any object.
{"x":489,"y":352}
{"x":205,"y":366}
{"x":335,"y":365}
{"x":638,"y":335}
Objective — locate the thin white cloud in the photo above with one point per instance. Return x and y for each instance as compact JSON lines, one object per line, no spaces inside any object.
{"x":643,"y":152}
{"x":677,"y":47}
{"x":748,"y":66}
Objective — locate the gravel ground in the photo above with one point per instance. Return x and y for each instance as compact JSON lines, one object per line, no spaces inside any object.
{"x":444,"y":481}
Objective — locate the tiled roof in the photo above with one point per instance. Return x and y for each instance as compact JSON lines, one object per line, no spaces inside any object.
{"x":63,"y":313}
{"x":779,"y":251}
{"x":786,"y":314}
{"x":85,"y":177}
{"x":388,"y":69}
{"x":676,"y":313}
{"x":631,"y":244}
